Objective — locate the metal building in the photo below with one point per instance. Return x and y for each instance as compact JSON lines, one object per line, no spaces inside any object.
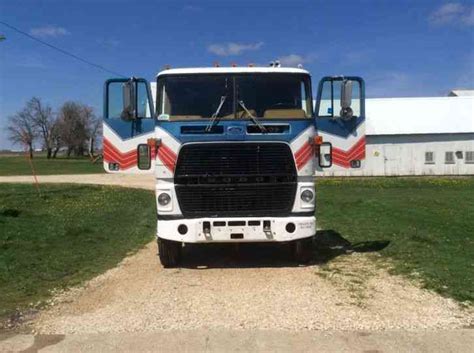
{"x":418,"y":136}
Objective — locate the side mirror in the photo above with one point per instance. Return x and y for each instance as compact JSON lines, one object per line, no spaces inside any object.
{"x":129,"y":110}
{"x":325,"y":155}
{"x":143,"y":156}
{"x":346,"y":99}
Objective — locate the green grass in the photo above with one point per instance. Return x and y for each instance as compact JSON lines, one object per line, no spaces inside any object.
{"x":428,"y":221}
{"x":68,"y":235}
{"x":19,"y":165}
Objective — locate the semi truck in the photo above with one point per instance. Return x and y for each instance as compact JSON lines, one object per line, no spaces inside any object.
{"x":233,"y":150}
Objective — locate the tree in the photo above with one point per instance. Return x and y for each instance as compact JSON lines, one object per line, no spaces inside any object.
{"x":44,"y":122}
{"x":78,"y":128}
{"x":21,"y":129}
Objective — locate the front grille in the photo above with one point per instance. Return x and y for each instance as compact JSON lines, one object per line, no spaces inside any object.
{"x":235,"y":179}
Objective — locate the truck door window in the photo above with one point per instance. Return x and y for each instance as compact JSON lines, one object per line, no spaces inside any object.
{"x":115,"y":100}
{"x":330,"y":105}
{"x":143,"y":105}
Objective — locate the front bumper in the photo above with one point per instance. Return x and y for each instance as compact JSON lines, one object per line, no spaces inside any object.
{"x":239,"y":229}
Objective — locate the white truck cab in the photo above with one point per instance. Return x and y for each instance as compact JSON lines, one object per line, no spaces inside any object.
{"x":233,"y":150}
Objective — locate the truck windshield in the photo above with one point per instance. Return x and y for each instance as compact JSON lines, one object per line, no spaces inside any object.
{"x":266,"y":96}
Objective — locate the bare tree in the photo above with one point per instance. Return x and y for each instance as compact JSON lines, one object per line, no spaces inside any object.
{"x":74,"y":127}
{"x":44,"y":122}
{"x":21,"y":129}
{"x":56,"y":138}
{"x":93,"y":126}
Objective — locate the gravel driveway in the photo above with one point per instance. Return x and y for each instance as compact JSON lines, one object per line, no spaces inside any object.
{"x":252,"y":288}
{"x":213,"y":292}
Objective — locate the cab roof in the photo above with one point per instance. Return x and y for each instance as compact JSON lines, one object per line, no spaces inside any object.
{"x":232,"y":70}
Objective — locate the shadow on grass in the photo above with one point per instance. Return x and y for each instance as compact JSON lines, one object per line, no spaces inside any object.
{"x":328,"y":244}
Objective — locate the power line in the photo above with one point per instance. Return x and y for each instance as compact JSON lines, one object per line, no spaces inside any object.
{"x":65,"y":52}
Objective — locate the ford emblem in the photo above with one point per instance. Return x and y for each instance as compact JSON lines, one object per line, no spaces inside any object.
{"x":235,"y":130}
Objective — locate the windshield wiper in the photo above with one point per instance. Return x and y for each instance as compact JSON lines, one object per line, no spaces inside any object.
{"x":214,"y":118}
{"x":253,"y":118}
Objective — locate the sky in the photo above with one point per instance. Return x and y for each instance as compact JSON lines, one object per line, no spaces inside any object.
{"x":402,"y":48}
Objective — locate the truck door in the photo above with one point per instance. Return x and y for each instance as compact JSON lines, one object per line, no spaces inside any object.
{"x":128,"y":124}
{"x":340,"y":121}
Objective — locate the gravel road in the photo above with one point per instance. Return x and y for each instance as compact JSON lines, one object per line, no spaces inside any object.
{"x":254,"y":287}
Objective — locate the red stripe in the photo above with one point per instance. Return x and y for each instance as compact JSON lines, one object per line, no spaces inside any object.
{"x":355,"y":155}
{"x":109,"y":145}
{"x":113,"y":155}
{"x":343,"y":158}
{"x":303,"y":155}
{"x":302,"y":149}
{"x":167,"y":161}
{"x":353,"y":150}
{"x":167,"y":156}
{"x":125,"y":160}
{"x":304,"y":158}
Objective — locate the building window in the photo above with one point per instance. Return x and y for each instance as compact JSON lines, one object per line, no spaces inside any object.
{"x":449,"y":158}
{"x":429,"y":158}
{"x":469,"y":157}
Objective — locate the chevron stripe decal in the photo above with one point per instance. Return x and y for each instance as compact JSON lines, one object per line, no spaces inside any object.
{"x":343,"y":158}
{"x":167,"y":156}
{"x":126,"y":160}
{"x":303,"y":155}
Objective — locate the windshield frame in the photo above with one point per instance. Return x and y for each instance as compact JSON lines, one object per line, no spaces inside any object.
{"x":304,"y":77}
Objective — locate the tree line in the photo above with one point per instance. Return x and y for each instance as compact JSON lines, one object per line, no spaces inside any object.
{"x":74,"y":127}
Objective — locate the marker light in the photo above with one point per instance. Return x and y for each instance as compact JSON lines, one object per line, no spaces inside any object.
{"x":164,"y":199}
{"x":307,"y":195}
{"x":318,"y":140}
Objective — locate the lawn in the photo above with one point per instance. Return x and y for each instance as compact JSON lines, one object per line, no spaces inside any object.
{"x":19,"y":165}
{"x":68,"y":235}
{"x":428,"y":221}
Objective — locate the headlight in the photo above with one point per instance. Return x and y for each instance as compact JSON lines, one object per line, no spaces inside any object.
{"x":164,"y":199}
{"x":307,"y":195}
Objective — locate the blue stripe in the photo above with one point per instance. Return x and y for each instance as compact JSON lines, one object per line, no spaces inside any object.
{"x":338,"y":127}
{"x":231,"y":126}
{"x":129,"y":129}
{"x":233,"y":130}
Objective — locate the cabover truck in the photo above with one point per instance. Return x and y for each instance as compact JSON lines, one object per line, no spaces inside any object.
{"x":233,"y":150}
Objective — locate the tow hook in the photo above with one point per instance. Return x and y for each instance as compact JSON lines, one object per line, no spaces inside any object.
{"x":267,"y":228}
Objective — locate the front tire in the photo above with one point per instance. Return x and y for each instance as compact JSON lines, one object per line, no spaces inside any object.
{"x":169,"y":252}
{"x":303,"y":250}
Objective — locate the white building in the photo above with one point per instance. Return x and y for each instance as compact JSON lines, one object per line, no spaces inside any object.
{"x":418,"y":136}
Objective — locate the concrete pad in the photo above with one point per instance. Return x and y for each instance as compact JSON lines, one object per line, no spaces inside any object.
{"x":458,"y":341}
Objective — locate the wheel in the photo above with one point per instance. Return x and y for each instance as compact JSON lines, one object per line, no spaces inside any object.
{"x":303,"y":250}
{"x":169,"y":252}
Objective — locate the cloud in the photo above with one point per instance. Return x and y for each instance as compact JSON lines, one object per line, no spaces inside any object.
{"x":294,"y":60}
{"x":49,"y":31}
{"x":232,"y":49}
{"x":453,"y":13}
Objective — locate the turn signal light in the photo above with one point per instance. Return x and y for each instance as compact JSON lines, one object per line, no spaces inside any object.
{"x":318,"y":140}
{"x":153,"y":142}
